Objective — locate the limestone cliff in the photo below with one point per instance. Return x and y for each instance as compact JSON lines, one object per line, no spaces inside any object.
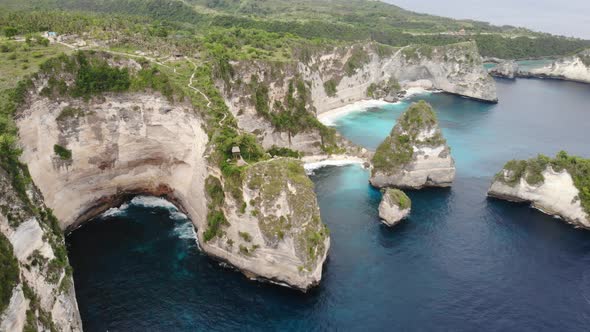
{"x":331,"y":77}
{"x":37,"y":290}
{"x":119,"y":145}
{"x":571,"y":68}
{"x":550,"y":185}
{"x":89,"y":154}
{"x":505,"y":69}
{"x":415,"y":154}
{"x":276,"y":232}
{"x":394,"y":206}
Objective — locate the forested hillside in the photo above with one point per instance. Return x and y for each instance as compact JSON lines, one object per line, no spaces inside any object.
{"x":329,"y":19}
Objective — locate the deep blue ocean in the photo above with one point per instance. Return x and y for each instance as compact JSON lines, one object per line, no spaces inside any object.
{"x":461,"y":262}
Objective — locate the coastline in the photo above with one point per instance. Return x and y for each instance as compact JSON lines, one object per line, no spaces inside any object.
{"x":329,"y":118}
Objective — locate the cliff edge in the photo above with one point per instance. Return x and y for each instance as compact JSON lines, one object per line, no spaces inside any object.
{"x":559,"y":187}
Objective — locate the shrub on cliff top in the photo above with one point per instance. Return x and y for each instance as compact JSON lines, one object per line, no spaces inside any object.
{"x":532,"y":171}
{"x":63,"y":153}
{"x":417,"y":117}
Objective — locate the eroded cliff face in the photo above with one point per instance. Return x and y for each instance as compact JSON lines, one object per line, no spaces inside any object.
{"x":415,"y":154}
{"x":120,"y":144}
{"x":43,"y":296}
{"x":505,"y":69}
{"x":555,"y":195}
{"x":572,"y":68}
{"x":339,"y":76}
{"x":276,"y":232}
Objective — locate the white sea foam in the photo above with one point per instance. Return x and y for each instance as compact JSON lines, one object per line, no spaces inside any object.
{"x":185,"y":230}
{"x":330,"y":117}
{"x":153,"y":202}
{"x":148,"y":202}
{"x":177,"y":215}
{"x":310,"y":164}
{"x":115,"y":211}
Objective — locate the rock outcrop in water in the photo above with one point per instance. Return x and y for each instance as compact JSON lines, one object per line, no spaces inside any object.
{"x":415,"y":154}
{"x":558,"y":187}
{"x":571,"y":68}
{"x":276,"y":230}
{"x":37,"y":286}
{"x":394,"y":206}
{"x":505,"y":69}
{"x":331,"y":77}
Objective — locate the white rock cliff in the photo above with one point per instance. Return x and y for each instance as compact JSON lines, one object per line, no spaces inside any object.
{"x":44,"y":296}
{"x":348,"y":73}
{"x":415,"y":154}
{"x":556,"y":195}
{"x":571,"y":68}
{"x":394,"y":207}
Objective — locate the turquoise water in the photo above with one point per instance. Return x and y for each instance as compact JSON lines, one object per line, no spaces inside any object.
{"x":524,"y":65}
{"x":533,"y":116}
{"x":461,"y":262}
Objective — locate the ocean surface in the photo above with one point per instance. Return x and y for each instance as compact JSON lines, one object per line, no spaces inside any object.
{"x":461,"y":262}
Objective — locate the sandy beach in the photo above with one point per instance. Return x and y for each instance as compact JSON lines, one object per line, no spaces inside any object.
{"x":329,"y":118}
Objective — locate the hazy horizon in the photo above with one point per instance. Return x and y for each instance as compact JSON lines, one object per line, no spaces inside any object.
{"x":572,"y":20}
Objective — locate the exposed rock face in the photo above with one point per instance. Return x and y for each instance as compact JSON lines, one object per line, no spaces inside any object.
{"x":572,"y":68}
{"x":339,"y":76}
{"x":394,"y":207}
{"x":137,"y":143}
{"x":552,"y":192}
{"x":506,"y":69}
{"x":415,"y":154}
{"x":120,"y":144}
{"x":43,"y":296}
{"x":277,"y":233}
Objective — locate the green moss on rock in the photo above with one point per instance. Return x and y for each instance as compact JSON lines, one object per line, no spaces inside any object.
{"x":398,"y":197}
{"x":62,"y":152}
{"x":287,"y":205}
{"x":397,"y":149}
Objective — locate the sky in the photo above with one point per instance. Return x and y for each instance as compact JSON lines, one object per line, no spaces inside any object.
{"x":569,"y":18}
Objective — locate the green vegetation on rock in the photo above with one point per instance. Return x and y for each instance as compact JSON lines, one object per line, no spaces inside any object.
{"x":358,"y":58}
{"x":383,"y":89}
{"x":69,"y":112}
{"x":330,"y":88}
{"x":215,"y":217}
{"x":399,"y":198}
{"x":532,"y":171}
{"x":62,"y":153}
{"x":275,"y":151}
{"x":9,"y":272}
{"x":397,"y":148}
{"x":246,"y":236}
{"x":293,"y":114}
{"x":283,"y":181}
